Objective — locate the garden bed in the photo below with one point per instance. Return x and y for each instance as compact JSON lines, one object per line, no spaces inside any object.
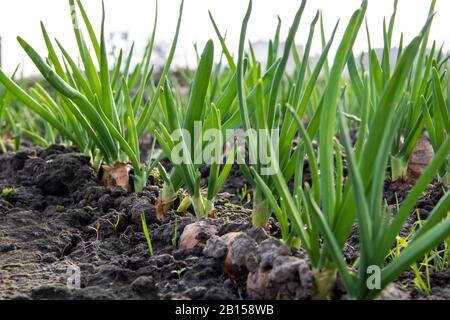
{"x":55,"y":216}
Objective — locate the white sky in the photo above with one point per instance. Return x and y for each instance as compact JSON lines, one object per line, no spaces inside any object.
{"x":22,"y":17}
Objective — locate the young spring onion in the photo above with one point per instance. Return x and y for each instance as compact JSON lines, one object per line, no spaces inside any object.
{"x":329,"y":209}
{"x":437,"y":119}
{"x":182,"y":122}
{"x":265,"y":112}
{"x":94,"y":108}
{"x":375,"y":81}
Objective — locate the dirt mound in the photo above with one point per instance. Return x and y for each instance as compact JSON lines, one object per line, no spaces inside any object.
{"x":57,"y":222}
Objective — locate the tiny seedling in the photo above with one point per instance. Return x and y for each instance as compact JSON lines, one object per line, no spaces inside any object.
{"x":97,"y":231}
{"x":7,"y":192}
{"x":179,"y":272}
{"x":147,"y":235}
{"x":175,"y":232}
{"x":244,"y":194}
{"x":115,"y":225}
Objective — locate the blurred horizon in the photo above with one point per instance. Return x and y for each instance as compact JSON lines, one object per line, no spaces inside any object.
{"x":134,"y":22}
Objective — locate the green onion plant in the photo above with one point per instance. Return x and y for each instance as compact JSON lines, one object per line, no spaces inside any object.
{"x":187,"y":147}
{"x":94,"y":108}
{"x":327,"y":210}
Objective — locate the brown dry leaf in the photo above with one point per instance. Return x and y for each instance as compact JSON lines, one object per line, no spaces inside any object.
{"x":163,"y":206}
{"x":159,"y":208}
{"x":212,"y":214}
{"x":421,"y":157}
{"x":117,"y":176}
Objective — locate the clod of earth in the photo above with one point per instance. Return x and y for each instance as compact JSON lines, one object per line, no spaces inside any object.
{"x":276,"y":274}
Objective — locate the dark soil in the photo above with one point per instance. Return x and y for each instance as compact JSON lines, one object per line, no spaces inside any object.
{"x":55,"y":217}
